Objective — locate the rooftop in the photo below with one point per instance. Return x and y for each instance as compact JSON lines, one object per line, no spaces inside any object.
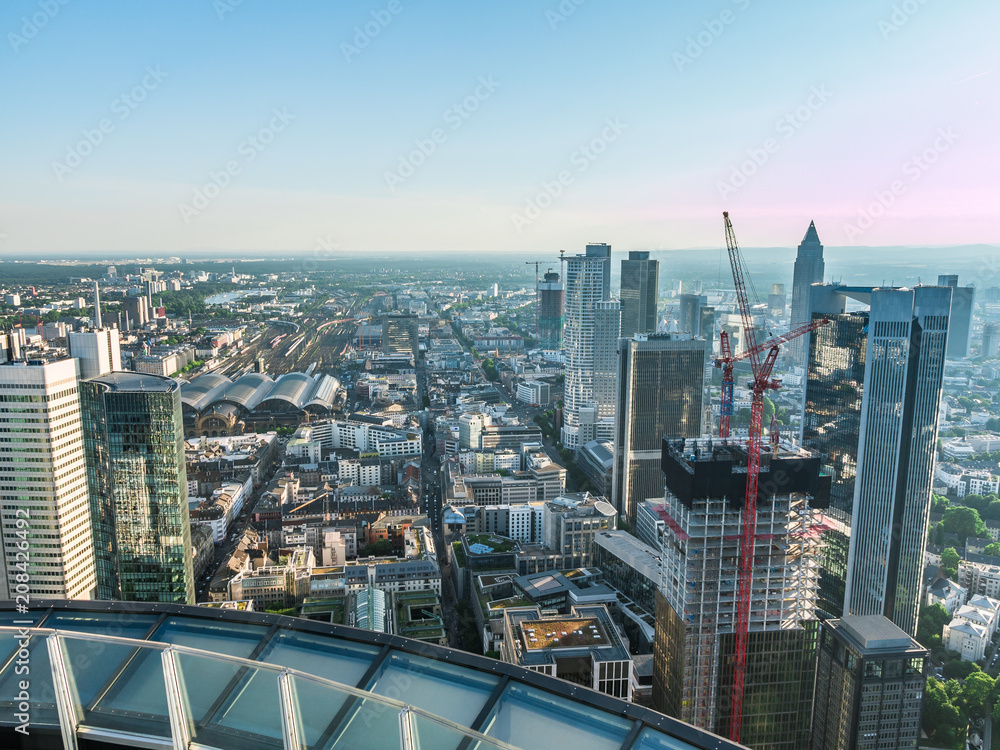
{"x":137,"y":381}
{"x":148,"y":675}
{"x":568,"y":633}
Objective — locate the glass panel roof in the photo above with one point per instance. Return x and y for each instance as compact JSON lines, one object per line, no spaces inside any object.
{"x":339,"y":661}
{"x":527,"y":717}
{"x":456,"y":693}
{"x":119,"y":685}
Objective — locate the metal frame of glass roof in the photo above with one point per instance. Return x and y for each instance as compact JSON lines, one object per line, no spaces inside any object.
{"x":111,"y":674}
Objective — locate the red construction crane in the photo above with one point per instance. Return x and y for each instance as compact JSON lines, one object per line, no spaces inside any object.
{"x":726,"y":360}
{"x":762,"y":382}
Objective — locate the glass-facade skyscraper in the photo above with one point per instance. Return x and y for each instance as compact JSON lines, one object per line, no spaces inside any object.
{"x":809,"y":268}
{"x":871,"y":403}
{"x":639,"y":291}
{"x":134,"y":440}
{"x":661,"y":390}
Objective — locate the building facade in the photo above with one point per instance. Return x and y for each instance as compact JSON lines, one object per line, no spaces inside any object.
{"x":661,"y":391}
{"x":43,"y":484}
{"x":551,"y":295}
{"x":869,"y":686}
{"x":696,"y":610}
{"x":882,"y":477}
{"x":963,"y":299}
{"x":639,"y":292}
{"x":588,"y":281}
{"x":137,"y":479}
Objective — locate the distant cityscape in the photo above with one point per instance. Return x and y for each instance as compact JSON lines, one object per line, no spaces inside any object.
{"x":744,"y":521}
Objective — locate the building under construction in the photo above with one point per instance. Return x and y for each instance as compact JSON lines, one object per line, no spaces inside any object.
{"x":698,"y":527}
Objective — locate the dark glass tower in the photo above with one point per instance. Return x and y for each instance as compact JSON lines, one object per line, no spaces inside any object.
{"x":871,"y":402}
{"x":136,"y":478}
{"x":661,"y":392}
{"x":809,"y":267}
{"x":550,"y":311}
{"x":960,"y":321}
{"x":640,"y":280}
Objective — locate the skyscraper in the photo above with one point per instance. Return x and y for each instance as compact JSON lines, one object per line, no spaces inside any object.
{"x":607,"y":331}
{"x":640,"y":288}
{"x":97,"y":349}
{"x":47,"y":541}
{"x":660,"y":394}
{"x":690,"y":313}
{"x":588,"y":281}
{"x":698,"y":527}
{"x":134,"y":436}
{"x":991,"y":340}
{"x":809,"y":267}
{"x":960,"y":320}
{"x":876,"y":437}
{"x":869,"y":686}
{"x":550,"y":311}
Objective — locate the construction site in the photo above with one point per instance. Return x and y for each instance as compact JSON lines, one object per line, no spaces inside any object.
{"x":697,"y":612}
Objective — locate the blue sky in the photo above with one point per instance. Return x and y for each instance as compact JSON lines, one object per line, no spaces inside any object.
{"x":543,"y":125}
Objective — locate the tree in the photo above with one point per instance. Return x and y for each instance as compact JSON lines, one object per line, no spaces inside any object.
{"x":993,"y":548}
{"x":949,"y":562}
{"x":992,"y":511}
{"x":976,"y":692}
{"x":931,"y":623}
{"x":939,"y":503}
{"x":942,"y":719}
{"x":959,"y":669}
{"x":963,"y":522}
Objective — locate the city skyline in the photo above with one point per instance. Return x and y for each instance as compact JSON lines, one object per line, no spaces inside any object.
{"x":635,"y":146}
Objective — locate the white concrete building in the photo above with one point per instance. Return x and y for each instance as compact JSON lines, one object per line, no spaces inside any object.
{"x":43,"y":484}
{"x":967,"y":639}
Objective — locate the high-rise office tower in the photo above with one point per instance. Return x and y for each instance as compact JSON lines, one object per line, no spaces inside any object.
{"x":399,"y":334}
{"x":698,"y":529}
{"x":690,"y":313}
{"x":588,"y":281}
{"x":809,"y":267}
{"x":776,"y":301}
{"x":98,"y":349}
{"x":960,"y":320}
{"x":47,"y":541}
{"x":661,"y":391}
{"x":607,"y":331}
{"x":991,"y":340}
{"x":134,"y":437}
{"x":869,"y":686}
{"x":550,"y":311}
{"x":706,"y":328}
{"x":872,"y":396}
{"x":640,"y":288}
{"x":136,"y":312}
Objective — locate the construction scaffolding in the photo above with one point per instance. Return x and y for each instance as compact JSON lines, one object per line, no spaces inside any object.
{"x":702,"y":516}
